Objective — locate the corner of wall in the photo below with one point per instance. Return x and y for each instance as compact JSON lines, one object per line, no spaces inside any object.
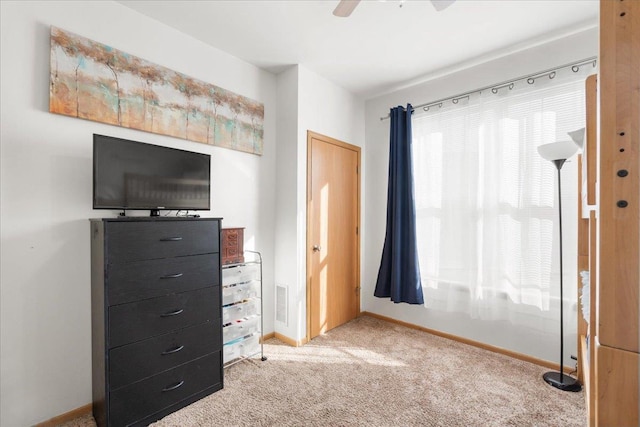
{"x":286,"y":242}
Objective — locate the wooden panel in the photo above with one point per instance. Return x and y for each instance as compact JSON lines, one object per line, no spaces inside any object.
{"x":478,"y":344}
{"x":619,"y":205}
{"x":593,"y":322}
{"x":583,"y":264}
{"x":583,"y":224}
{"x":333,"y":221}
{"x":591,"y":137}
{"x":617,"y":385}
{"x":290,"y":341}
{"x":584,"y":362}
{"x":66,"y":417}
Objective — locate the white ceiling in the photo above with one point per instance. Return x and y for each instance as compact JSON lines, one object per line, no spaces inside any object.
{"x":381,"y":46}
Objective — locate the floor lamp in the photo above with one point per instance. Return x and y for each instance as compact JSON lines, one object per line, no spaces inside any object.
{"x":558,"y":153}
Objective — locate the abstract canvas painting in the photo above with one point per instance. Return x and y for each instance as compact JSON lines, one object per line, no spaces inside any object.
{"x":90,"y":80}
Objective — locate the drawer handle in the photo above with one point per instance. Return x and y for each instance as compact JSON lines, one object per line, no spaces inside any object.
{"x":171,"y":239}
{"x":173,"y":386}
{"x":172,"y":276}
{"x":172,"y":313}
{"x":173,"y":350}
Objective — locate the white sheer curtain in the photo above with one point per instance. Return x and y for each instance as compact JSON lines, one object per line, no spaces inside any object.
{"x":487,"y":216}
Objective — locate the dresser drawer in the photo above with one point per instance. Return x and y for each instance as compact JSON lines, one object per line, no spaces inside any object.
{"x":138,"y":400}
{"x":140,"y":240}
{"x":144,"y":319}
{"x":133,"y":362}
{"x":147,"y":279}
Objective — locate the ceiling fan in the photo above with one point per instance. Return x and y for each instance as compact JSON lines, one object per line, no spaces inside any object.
{"x":345,"y":7}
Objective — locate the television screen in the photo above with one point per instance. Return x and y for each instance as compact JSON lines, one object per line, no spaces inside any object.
{"x":134,"y":175}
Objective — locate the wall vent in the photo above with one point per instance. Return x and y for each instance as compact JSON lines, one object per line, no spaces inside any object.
{"x":282,"y":304}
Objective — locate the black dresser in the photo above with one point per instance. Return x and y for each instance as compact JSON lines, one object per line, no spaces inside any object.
{"x":156,"y":316}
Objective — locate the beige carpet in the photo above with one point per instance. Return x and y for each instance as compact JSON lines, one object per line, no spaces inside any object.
{"x":374,"y":373}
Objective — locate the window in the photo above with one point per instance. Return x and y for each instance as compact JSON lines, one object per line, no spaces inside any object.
{"x":487,"y":218}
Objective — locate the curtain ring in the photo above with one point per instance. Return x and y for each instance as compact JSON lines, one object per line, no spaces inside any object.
{"x":454,"y":100}
{"x":552,"y":75}
{"x":575,"y":68}
{"x":531,"y":80}
{"x":594,"y":63}
{"x":440,"y":105}
{"x":426,"y":108}
{"x":511,"y":86}
{"x":494,"y":90}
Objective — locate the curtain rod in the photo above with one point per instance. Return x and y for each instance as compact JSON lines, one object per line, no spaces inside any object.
{"x":530,"y":78}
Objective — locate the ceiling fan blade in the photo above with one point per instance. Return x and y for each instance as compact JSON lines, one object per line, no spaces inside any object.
{"x":345,"y":7}
{"x":440,"y":5}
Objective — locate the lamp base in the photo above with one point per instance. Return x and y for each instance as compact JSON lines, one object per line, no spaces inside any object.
{"x":563,"y":382}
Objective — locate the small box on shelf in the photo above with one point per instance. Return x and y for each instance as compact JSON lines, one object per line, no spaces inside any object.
{"x":232,"y":250}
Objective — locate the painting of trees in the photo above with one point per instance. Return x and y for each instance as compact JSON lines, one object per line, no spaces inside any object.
{"x":75,"y":52}
{"x":94,"y":81}
{"x":217,"y":98}
{"x":255,"y":111}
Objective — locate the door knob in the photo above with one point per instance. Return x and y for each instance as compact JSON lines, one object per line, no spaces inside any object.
{"x":316,"y":248}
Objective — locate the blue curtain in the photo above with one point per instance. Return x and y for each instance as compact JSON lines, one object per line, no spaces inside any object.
{"x":399,"y":274}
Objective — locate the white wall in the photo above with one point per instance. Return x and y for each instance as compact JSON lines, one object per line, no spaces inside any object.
{"x":576,"y":47}
{"x":330,"y":110}
{"x":286,"y":243}
{"x":46,"y":175}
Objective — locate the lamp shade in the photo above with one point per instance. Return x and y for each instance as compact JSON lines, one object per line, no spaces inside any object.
{"x":441,"y":4}
{"x":560,"y":150}
{"x":578,"y":137}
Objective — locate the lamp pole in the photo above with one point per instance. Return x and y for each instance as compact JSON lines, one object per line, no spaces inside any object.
{"x":559,"y":164}
{"x":559,"y":380}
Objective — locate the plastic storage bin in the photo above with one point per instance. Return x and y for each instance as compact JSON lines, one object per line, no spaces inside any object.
{"x":241,"y":328}
{"x":240,"y":292}
{"x":240,"y":274}
{"x":241,"y":348}
{"x":234,"y":312}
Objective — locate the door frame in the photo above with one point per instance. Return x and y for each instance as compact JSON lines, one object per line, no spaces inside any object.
{"x":311,"y":135}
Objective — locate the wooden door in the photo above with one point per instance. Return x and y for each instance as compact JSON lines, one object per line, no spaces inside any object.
{"x":333,"y":248}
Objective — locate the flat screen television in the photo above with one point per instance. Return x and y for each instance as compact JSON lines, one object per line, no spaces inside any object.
{"x":135,"y":175}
